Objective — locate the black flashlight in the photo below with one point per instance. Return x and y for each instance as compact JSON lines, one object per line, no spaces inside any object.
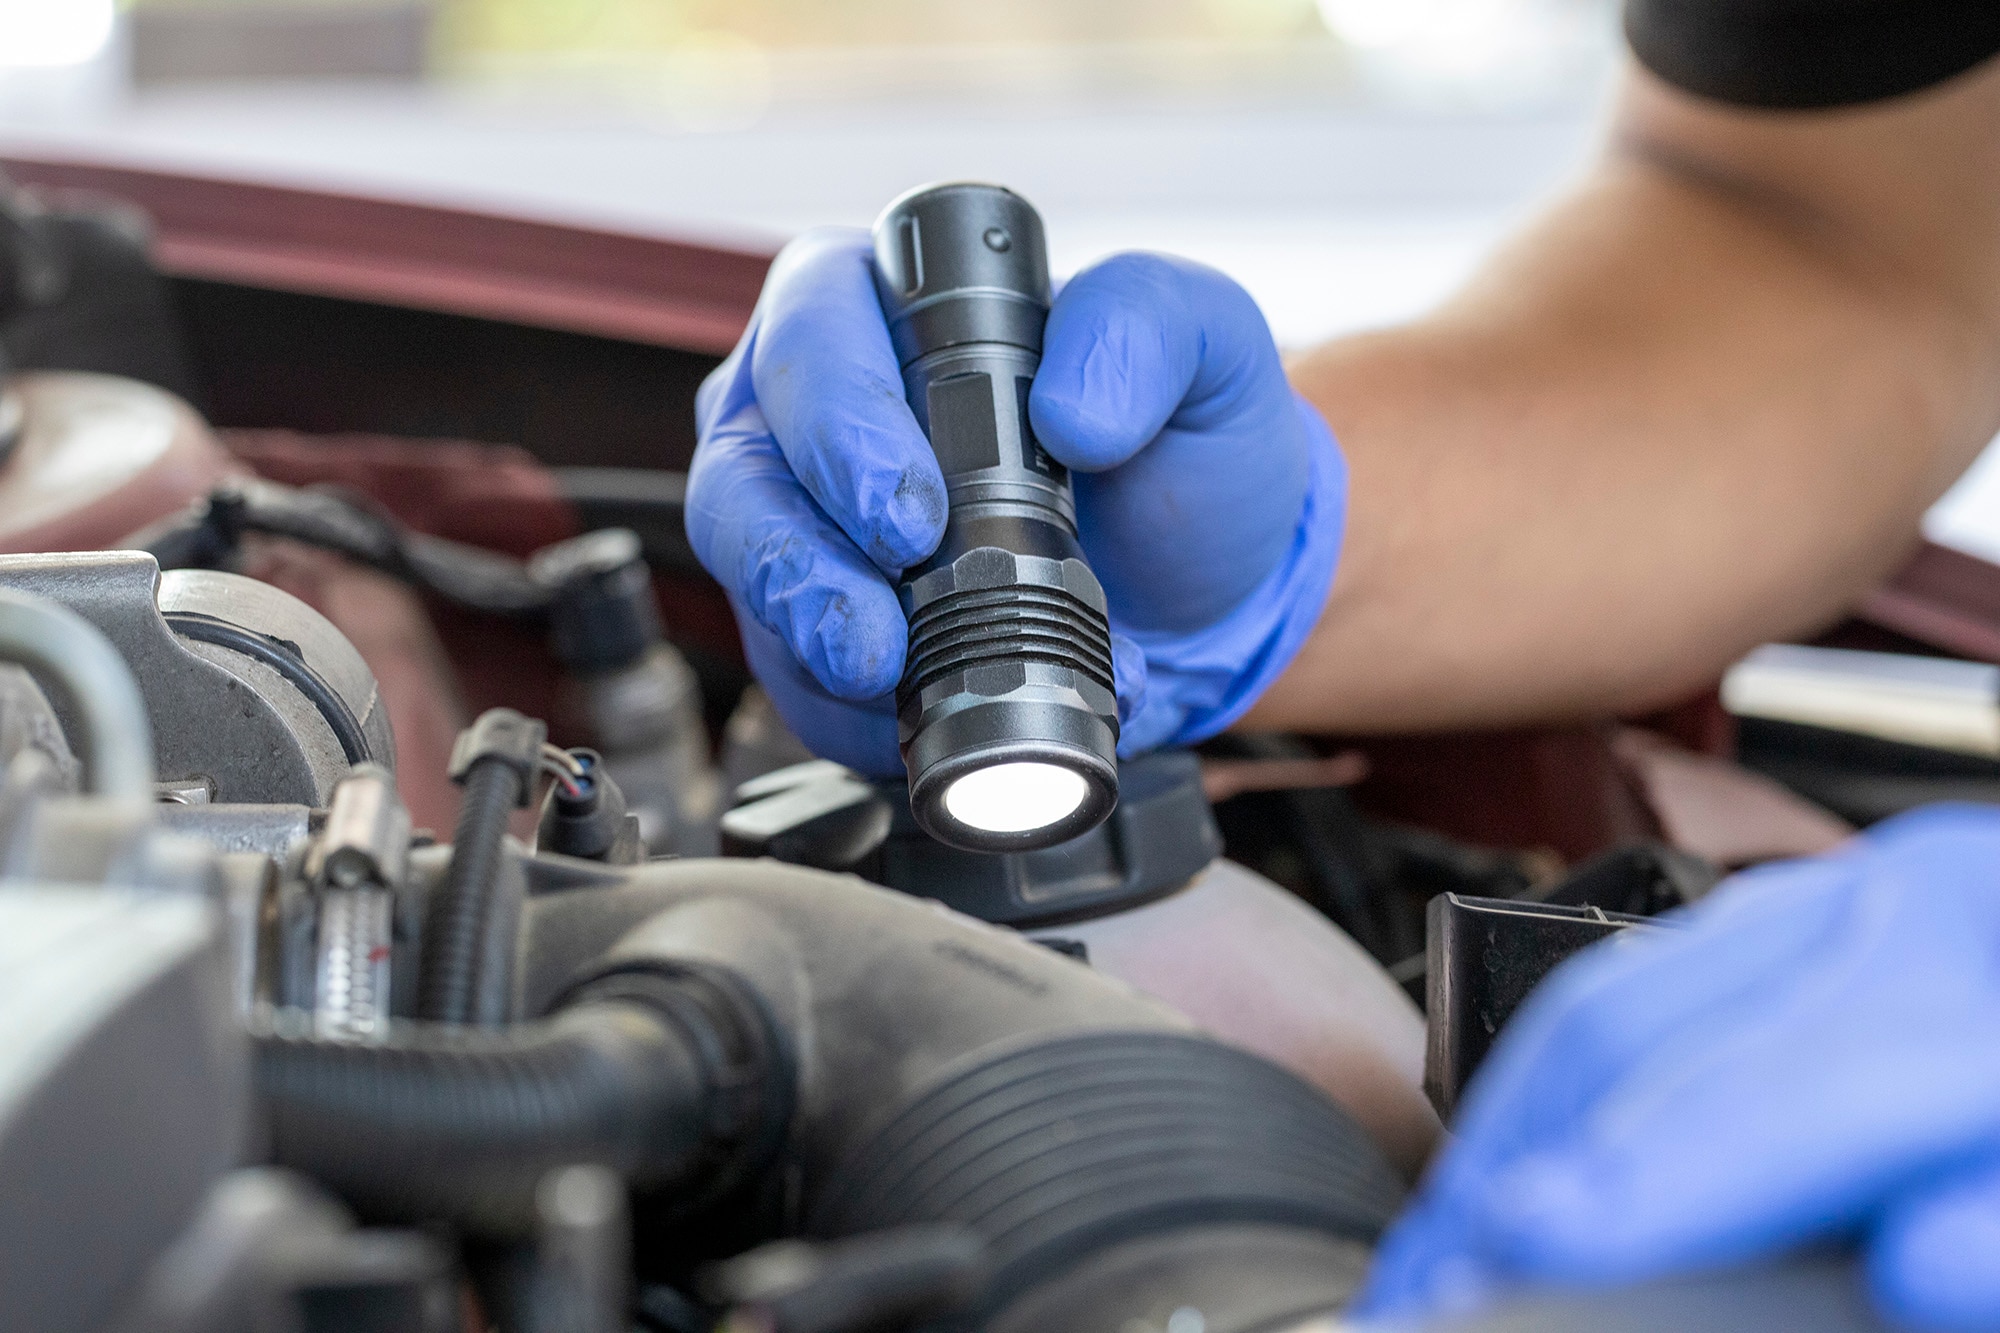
{"x":1007,"y":712}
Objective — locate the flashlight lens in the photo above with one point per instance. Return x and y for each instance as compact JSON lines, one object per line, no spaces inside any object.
{"x":1016,"y":797}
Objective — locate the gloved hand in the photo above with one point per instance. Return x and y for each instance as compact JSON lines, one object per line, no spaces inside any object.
{"x":1210,"y":498}
{"x":1816,"y":1058}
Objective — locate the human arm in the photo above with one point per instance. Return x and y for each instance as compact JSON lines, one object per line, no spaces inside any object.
{"x":1701,"y":403}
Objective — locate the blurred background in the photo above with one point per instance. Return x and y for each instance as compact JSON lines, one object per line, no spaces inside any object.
{"x":1349,"y":161}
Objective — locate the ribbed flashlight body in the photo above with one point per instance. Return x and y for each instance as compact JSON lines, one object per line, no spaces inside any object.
{"x":1010,"y":649}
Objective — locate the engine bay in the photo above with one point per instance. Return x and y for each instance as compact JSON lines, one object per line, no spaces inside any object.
{"x":416,"y":917}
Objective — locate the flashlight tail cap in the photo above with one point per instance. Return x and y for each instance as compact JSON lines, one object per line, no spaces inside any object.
{"x":961,"y":263}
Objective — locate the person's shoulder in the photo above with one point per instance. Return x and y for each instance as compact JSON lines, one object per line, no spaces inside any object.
{"x":1811,"y":53}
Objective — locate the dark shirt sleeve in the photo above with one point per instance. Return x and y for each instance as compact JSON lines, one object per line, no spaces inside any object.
{"x":1811,"y":53}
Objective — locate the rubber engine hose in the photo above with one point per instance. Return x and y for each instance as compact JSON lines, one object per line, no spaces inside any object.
{"x":461,"y":1124}
{"x":956,"y":1075}
{"x":455,"y":926}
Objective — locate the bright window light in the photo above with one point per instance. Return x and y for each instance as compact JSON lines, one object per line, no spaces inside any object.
{"x":1390,"y":24}
{"x":43,"y":33}
{"x":1016,"y":797}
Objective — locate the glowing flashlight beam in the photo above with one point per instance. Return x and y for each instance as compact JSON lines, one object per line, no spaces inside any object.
{"x":1015,"y":797}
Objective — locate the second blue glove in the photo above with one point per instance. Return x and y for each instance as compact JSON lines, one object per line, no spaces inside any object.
{"x":1811,"y":1061}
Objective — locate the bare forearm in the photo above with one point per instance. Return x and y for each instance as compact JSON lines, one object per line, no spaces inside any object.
{"x":1688,"y":412}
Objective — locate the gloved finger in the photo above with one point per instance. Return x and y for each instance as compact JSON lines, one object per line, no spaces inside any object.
{"x":1934,"y":1260}
{"x":1148,"y":719}
{"x":1128,"y":671}
{"x":860,"y":734}
{"x":1864,"y":1069}
{"x":830,"y":388}
{"x":796,"y":574}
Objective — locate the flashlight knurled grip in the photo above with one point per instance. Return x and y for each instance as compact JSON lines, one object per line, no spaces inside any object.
{"x":1009,"y":647}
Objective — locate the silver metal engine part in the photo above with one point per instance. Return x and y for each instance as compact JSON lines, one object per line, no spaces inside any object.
{"x":49,"y":834}
{"x":254,"y":696}
{"x":124,"y":1091}
{"x":355,"y":868}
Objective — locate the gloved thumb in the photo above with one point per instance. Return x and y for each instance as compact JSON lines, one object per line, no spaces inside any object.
{"x":1137,"y":338}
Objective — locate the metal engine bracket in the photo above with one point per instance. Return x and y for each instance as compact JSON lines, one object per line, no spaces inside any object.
{"x":254,"y":695}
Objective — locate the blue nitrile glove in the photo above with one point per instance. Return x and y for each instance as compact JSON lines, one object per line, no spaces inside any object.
{"x":1815,"y":1059}
{"x":1210,"y":497}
